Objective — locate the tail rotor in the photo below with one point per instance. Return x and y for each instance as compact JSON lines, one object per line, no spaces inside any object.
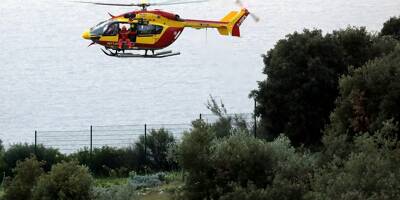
{"x":254,"y":16}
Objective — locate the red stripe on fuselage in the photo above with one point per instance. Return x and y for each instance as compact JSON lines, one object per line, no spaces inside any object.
{"x":205,"y":21}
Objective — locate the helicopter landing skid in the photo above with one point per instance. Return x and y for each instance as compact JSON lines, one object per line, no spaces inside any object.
{"x":162,"y":54}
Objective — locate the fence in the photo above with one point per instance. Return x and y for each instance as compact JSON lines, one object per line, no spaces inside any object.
{"x":118,"y":135}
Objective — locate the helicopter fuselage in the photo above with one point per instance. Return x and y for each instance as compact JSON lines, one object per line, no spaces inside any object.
{"x":156,"y":29}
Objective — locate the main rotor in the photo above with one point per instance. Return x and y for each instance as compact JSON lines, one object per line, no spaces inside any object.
{"x":144,"y":4}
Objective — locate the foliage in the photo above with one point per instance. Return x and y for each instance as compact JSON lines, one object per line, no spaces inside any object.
{"x":108,"y":161}
{"x":392,"y":28}
{"x":230,"y":166}
{"x":369,"y":96}
{"x":292,"y":171}
{"x":195,"y":158}
{"x":248,"y":193}
{"x":302,"y":85}
{"x":2,"y":161}
{"x":243,"y":160}
{"x":66,"y":180}
{"x":226,"y":124}
{"x":26,"y":173}
{"x":109,"y":181}
{"x":158,"y":143}
{"x":20,"y":152}
{"x":146,"y":181}
{"x":371,"y":171}
{"x":116,"y":192}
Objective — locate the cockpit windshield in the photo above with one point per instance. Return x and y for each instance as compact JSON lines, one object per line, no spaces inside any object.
{"x":100,"y":28}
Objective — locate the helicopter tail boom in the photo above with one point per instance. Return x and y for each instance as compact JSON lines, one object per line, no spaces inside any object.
{"x":229,"y":25}
{"x":234,"y":20}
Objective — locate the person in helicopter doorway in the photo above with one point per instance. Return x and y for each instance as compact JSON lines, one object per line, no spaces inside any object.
{"x":124,"y":38}
{"x":133,"y":32}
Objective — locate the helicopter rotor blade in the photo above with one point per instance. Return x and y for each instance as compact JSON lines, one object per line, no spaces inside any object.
{"x":178,"y":2}
{"x":144,"y":2}
{"x":107,"y":4}
{"x":254,"y":16}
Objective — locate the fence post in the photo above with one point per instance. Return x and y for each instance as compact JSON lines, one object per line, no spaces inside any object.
{"x":145,"y":147}
{"x":255,"y":118}
{"x":91,"y":141}
{"x":36,"y":143}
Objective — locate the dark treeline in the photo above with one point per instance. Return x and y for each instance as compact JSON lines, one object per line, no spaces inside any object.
{"x":103,"y":162}
{"x":329,"y":129}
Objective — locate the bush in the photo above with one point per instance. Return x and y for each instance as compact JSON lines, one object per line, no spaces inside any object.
{"x":66,"y":180}
{"x":243,"y":166}
{"x":20,"y":152}
{"x":225,"y":125}
{"x":158,"y":143}
{"x":194,"y":155}
{"x":392,"y":28}
{"x":116,"y":192}
{"x":371,"y":171}
{"x":26,"y":173}
{"x":244,"y":160}
{"x":146,"y":181}
{"x":108,"y":161}
{"x":249,"y":193}
{"x":303,"y":70}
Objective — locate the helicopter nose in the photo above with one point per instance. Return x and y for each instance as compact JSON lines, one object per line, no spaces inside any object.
{"x":86,"y":35}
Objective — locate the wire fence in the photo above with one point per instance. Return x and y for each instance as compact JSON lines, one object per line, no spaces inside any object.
{"x":69,"y":141}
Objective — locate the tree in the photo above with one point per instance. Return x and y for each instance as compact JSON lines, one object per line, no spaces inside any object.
{"x":303,"y":71}
{"x":369,"y":96}
{"x":392,"y":28}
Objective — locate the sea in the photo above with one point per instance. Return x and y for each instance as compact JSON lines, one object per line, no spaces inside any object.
{"x":51,"y":80}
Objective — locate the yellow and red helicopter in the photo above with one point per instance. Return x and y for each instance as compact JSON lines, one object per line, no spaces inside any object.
{"x":152,"y":30}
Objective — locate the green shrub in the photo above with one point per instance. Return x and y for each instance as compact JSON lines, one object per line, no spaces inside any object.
{"x":108,"y":161}
{"x":248,"y":193}
{"x":158,"y":143}
{"x":66,"y":180}
{"x":194,"y":155}
{"x":116,"y":192}
{"x":20,"y":152}
{"x":243,"y":160}
{"x":371,"y":171}
{"x":225,"y":125}
{"x":228,"y":166}
{"x":292,"y":171}
{"x":146,"y":181}
{"x":26,"y":173}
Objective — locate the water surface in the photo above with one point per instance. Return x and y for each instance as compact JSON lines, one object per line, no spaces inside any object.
{"x":49,"y":79}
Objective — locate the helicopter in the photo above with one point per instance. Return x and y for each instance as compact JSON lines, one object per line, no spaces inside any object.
{"x":153,"y":30}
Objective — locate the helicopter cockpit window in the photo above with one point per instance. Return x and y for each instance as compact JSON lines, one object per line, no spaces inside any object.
{"x":149,"y":29}
{"x":100,"y":28}
{"x":111,"y":29}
